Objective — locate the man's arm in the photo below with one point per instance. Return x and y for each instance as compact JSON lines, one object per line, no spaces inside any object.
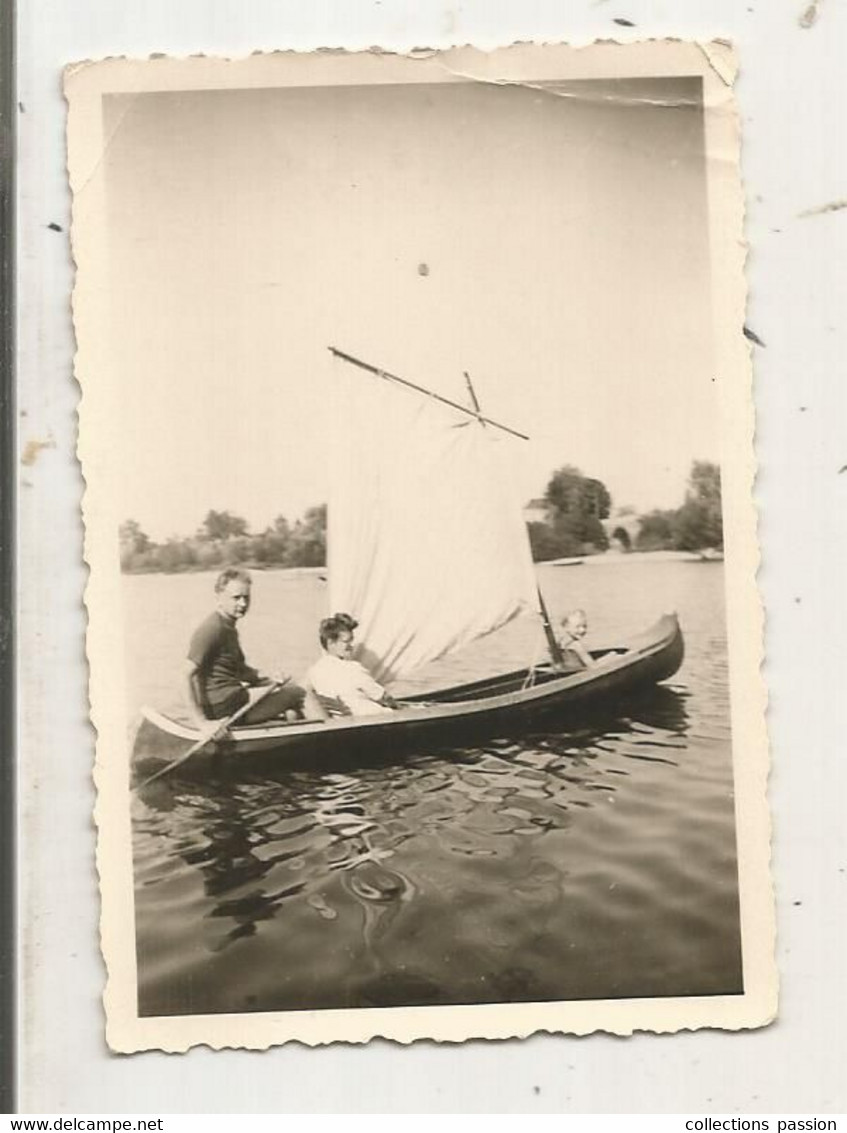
{"x":257,"y":679}
{"x":215,"y":729}
{"x":194,"y":698}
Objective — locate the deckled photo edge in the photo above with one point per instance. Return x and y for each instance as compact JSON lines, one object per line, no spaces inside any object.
{"x":126,"y":1031}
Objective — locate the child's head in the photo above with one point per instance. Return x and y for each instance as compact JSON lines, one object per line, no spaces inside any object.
{"x":336,"y":634}
{"x":575,"y":623}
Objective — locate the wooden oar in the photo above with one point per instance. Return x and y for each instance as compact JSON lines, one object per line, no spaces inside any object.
{"x":242,"y":711}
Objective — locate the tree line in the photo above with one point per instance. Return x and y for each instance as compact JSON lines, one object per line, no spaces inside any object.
{"x":225,"y":540}
{"x":574,"y":508}
{"x":694,"y":526}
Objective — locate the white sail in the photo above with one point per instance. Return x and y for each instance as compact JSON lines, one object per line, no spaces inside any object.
{"x":428,"y":549}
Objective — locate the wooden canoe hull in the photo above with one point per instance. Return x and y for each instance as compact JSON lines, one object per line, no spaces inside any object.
{"x":496,"y":706}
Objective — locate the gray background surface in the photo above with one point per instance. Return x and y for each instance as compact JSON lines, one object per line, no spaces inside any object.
{"x":792,"y":95}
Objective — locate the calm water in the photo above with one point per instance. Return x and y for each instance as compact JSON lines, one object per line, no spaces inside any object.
{"x":592,"y":863}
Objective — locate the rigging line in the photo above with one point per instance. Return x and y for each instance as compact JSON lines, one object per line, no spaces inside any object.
{"x":529,"y":681}
{"x":422,"y":389}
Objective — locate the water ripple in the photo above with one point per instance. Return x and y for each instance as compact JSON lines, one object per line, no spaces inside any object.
{"x":592,"y":861}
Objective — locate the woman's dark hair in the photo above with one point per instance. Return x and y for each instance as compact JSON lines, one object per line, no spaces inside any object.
{"x":332,"y":628}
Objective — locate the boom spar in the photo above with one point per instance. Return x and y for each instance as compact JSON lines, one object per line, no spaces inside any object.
{"x":422,"y":389}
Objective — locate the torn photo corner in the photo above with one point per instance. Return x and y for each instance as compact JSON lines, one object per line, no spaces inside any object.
{"x":424,"y":637}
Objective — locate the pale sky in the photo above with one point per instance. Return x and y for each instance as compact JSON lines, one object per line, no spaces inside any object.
{"x":566,"y":250}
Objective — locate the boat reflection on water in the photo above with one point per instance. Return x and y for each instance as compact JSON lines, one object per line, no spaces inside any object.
{"x":380,"y":855}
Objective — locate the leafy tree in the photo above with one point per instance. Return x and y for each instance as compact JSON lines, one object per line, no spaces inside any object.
{"x":132,"y":539}
{"x":700,"y":519}
{"x":576,"y":505}
{"x":208,"y":556}
{"x":696,"y":524}
{"x":274,"y":546}
{"x":307,"y":546}
{"x":135,"y":546}
{"x":237,"y":550}
{"x":222,"y":525}
{"x":704,"y":484}
{"x":547,"y":543}
{"x":656,"y":531}
{"x":175,"y":554}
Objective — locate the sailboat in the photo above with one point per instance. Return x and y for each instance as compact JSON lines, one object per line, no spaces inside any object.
{"x":429,"y":552}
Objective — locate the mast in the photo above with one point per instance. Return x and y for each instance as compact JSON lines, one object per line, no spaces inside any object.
{"x":552,"y":642}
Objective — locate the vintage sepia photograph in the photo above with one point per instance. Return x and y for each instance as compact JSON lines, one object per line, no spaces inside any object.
{"x":424,"y":636}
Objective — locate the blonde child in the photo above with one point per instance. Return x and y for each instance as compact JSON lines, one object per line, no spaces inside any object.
{"x":575,"y":626}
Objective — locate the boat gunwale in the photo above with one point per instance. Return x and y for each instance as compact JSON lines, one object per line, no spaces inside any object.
{"x":649,"y":642}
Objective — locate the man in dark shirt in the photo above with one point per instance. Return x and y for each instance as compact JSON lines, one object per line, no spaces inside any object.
{"x":220,"y":681}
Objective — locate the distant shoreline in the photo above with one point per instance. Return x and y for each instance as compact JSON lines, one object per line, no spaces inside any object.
{"x":610,"y":558}
{"x":253,"y":568}
{"x":606,"y":558}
